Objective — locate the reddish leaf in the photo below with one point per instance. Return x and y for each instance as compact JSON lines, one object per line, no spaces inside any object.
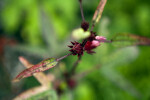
{"x":42,"y":66}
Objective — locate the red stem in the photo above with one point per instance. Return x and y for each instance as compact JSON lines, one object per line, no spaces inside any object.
{"x":81,"y":9}
{"x":58,"y":59}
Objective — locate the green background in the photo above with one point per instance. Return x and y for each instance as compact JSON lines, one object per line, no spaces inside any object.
{"x":42,"y":28}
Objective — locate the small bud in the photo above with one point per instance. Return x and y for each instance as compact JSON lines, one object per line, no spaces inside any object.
{"x":79,"y":34}
{"x":100,"y":38}
{"x":95,"y":43}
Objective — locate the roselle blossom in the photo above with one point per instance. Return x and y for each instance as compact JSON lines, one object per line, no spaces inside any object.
{"x":76,"y":48}
{"x":92,"y":42}
{"x":90,"y":45}
{"x":98,"y":40}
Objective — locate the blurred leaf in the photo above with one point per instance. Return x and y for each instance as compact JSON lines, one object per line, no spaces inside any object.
{"x":10,"y":23}
{"x":110,"y":58}
{"x":47,"y":95}
{"x":129,"y":40}
{"x":98,"y":13}
{"x":84,"y":92}
{"x":49,"y":35}
{"x":114,"y":59}
{"x":32,"y":50}
{"x":119,"y":81}
{"x":62,"y":14}
{"x":48,"y":32}
{"x":31,"y":30}
{"x":68,"y":95}
{"x":142,"y":14}
{"x":120,"y":56}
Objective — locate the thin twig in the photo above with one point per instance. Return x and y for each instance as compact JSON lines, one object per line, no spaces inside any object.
{"x":84,"y":42}
{"x":58,"y":59}
{"x":31,"y":92}
{"x":105,"y":41}
{"x":83,"y":74}
{"x":72,"y":72}
{"x":81,"y":9}
{"x":96,"y":17}
{"x":98,"y":13}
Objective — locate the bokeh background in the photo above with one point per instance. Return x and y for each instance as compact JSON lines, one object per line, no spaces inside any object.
{"x":37,"y":29}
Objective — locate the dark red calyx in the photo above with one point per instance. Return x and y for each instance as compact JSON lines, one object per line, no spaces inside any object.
{"x":76,"y":48}
{"x":88,"y":47}
{"x":92,"y":36}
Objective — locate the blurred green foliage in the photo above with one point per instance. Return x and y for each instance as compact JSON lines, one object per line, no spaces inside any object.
{"x":44,"y":27}
{"x":47,"y":95}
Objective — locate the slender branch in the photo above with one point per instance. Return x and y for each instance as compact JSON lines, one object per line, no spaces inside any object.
{"x":31,"y":92}
{"x":92,"y":27}
{"x":81,"y":9}
{"x":75,"y":65}
{"x":96,"y":17}
{"x":58,"y":59}
{"x":98,"y":13}
{"x":83,"y":74}
{"x":105,"y":41}
{"x":84,"y":42}
{"x":25,"y":62}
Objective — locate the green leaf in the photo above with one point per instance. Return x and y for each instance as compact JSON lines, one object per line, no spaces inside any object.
{"x":125,"y":39}
{"x":84,"y":91}
{"x":120,"y":56}
{"x":120,"y":81}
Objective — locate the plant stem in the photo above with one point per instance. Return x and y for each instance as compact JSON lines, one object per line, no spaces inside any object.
{"x":98,"y":13}
{"x":58,"y":59}
{"x":75,"y":65}
{"x":81,"y":9}
{"x":86,"y":72}
{"x":105,"y":41}
{"x":84,"y":42}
